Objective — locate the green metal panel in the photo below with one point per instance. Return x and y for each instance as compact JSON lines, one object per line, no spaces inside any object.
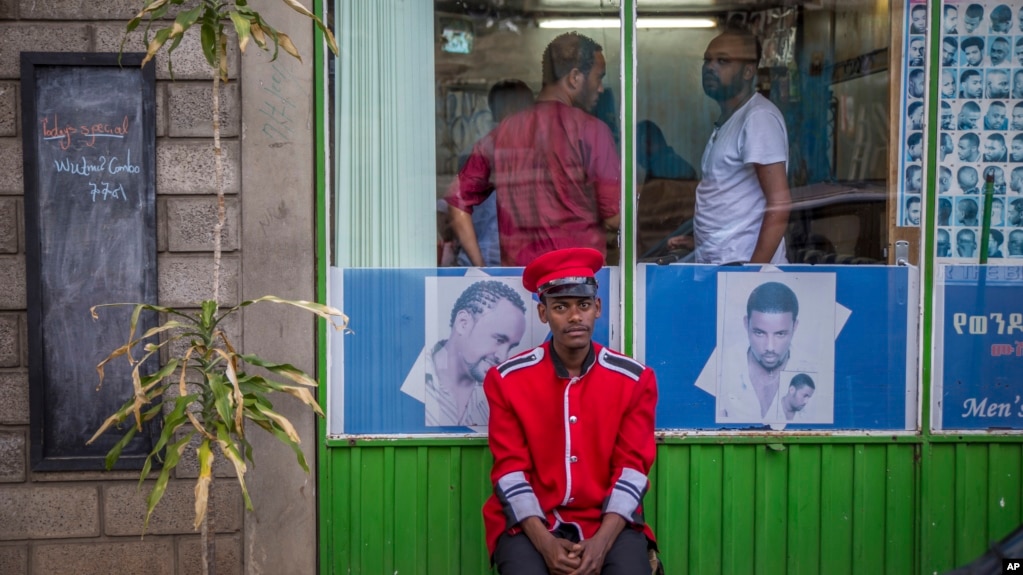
{"x":716,"y":507}
{"x":972,"y":492}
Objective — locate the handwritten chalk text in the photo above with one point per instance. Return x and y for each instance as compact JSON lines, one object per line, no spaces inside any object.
{"x":89,"y":166}
{"x":116,"y":193}
{"x":85,"y":133}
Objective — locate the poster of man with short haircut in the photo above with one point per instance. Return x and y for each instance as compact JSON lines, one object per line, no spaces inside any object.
{"x":472,"y":323}
{"x":777,"y":336}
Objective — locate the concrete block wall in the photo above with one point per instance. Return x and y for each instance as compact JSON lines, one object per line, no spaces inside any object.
{"x":85,"y":523}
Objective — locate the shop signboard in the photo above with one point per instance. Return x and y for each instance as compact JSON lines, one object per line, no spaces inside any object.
{"x":978,"y":346}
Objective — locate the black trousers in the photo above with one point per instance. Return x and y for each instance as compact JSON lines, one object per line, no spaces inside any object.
{"x":515,"y":554}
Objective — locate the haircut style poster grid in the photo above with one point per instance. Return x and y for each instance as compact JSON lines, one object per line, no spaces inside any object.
{"x":980,"y":131}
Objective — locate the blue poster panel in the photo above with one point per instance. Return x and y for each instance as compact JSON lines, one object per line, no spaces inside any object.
{"x":795,"y":348}
{"x":421,"y":340}
{"x":979,"y":343}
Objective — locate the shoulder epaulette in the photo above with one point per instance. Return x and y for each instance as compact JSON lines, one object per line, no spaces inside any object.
{"x":622,"y":364}
{"x":525,"y":359}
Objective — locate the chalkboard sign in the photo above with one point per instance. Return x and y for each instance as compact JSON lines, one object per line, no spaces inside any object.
{"x":90,"y":228}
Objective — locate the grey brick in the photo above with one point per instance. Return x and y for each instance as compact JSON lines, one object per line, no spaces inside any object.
{"x":125,"y":508}
{"x":191,"y":110}
{"x":188,"y":60}
{"x":8,"y":11}
{"x":228,"y":550}
{"x":79,"y":10}
{"x":9,"y":225}
{"x":12,"y":283}
{"x":150,"y":556}
{"x":12,"y":178}
{"x":23,"y":338}
{"x":161,"y":224}
{"x":185,"y":281}
{"x":188,"y":167}
{"x":8,"y":108}
{"x":14,"y":397}
{"x":161,"y":109}
{"x":12,"y":457}
{"x":10,"y":355}
{"x":190,"y":223}
{"x":56,"y":37}
{"x":49,"y":512}
{"x":13,"y":558}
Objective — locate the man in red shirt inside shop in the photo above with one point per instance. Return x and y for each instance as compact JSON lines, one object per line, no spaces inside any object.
{"x":572,"y":434}
{"x":554,"y":165}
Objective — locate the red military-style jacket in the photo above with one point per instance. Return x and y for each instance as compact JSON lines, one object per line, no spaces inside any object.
{"x":569,"y":450}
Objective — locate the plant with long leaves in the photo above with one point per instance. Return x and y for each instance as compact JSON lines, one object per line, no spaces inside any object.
{"x":216,"y":395}
{"x":211,"y":16}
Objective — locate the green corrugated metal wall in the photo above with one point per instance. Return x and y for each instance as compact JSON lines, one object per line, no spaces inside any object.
{"x":745,"y":507}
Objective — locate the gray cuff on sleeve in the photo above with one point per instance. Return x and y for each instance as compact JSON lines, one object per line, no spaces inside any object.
{"x":517,"y":498}
{"x":627,"y":495}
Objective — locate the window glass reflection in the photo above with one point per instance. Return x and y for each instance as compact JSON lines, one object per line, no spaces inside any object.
{"x":527,"y":138}
{"x":764,"y":137}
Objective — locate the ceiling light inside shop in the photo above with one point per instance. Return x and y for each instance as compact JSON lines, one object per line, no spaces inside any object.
{"x":589,"y":23}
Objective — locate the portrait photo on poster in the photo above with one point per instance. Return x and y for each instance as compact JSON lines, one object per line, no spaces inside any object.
{"x":472,"y":323}
{"x":776,"y":333}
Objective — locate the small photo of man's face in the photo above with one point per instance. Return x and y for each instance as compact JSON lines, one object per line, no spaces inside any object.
{"x":966,"y":243}
{"x":994,"y":149}
{"x":947,"y":117}
{"x":918,"y":17}
{"x":997,"y":84}
{"x":916,"y":49}
{"x":971,"y":85}
{"x":999,"y":51}
{"x":950,"y":22}
{"x":971,"y":22}
{"x":944,"y":244}
{"x":1016,"y":243}
{"x":948,"y":84}
{"x":974,"y":54}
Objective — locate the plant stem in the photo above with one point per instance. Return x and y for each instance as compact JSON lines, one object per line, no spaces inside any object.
{"x":218,"y":171}
{"x":208,"y":537}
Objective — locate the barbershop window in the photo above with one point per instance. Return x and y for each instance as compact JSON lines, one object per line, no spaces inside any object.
{"x":825,"y":72}
{"x":466,"y":148}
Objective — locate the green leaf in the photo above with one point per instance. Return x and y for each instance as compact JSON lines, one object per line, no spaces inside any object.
{"x":120,"y":415}
{"x":286,"y":369}
{"x":228,"y":449}
{"x":202,"y":483}
{"x":222,"y":401}
{"x":164,"y":371}
{"x":242,"y":27}
{"x":185,"y":20}
{"x":325,"y":311}
{"x":115,"y":452}
{"x":208,"y":38}
{"x":283,"y":437}
{"x":208,"y":316}
{"x":173,"y":456}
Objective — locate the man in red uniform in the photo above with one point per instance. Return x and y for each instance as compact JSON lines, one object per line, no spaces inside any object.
{"x":554,"y":165}
{"x":572,"y":435}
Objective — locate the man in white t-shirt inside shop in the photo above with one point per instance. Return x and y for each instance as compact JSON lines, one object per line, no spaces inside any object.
{"x":742,"y":202}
